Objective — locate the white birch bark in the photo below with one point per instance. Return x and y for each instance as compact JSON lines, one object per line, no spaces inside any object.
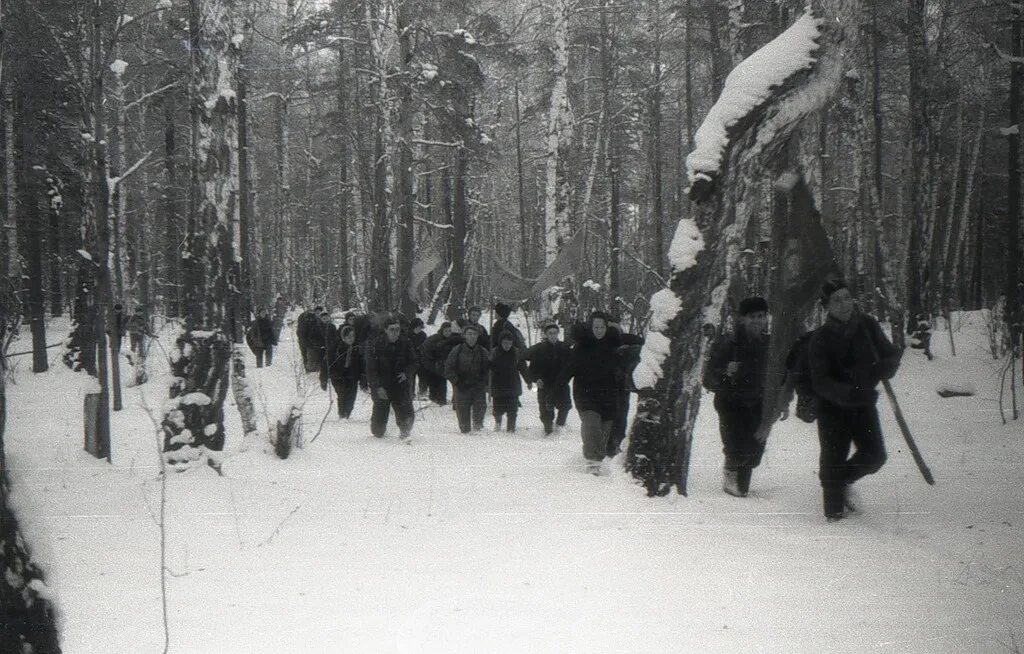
{"x":556,"y":227}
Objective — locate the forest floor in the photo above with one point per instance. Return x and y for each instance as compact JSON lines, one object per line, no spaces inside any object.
{"x":494,"y":542}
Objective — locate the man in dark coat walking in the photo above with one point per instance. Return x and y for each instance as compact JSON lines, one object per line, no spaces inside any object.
{"x":547,"y":361}
{"x":433,"y":356}
{"x":503,"y":324}
{"x":262,"y":337}
{"x":466,"y":368}
{"x":507,"y":366}
{"x":735,"y":373}
{"x":343,"y":366}
{"x":597,"y":386}
{"x":309,"y":331}
{"x":390,"y":366}
{"x":848,"y":356}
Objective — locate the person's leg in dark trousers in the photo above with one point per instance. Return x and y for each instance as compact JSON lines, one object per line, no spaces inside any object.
{"x":737,"y":424}
{"x":438,"y":388}
{"x":835,"y":439}
{"x":562,"y":402}
{"x":498,"y":411}
{"x":405,"y":414}
{"x":347,"y":397}
{"x":479,"y":406}
{"x":259,"y":357}
{"x":619,"y":426}
{"x":462,"y":401}
{"x":270,"y":355}
{"x":545,"y":400}
{"x":513,"y":411}
{"x":379,"y":417}
{"x":866,"y":434}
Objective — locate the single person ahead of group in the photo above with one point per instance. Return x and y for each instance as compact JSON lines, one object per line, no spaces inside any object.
{"x":507,"y":366}
{"x":848,"y":356}
{"x":262,"y":337}
{"x":547,"y":360}
{"x":466,"y":368}
{"x":735,"y":374}
{"x":597,"y":386}
{"x":390,"y":366}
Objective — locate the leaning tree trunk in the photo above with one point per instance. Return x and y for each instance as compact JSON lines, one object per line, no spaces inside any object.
{"x":193,"y":424}
{"x":758,"y":110}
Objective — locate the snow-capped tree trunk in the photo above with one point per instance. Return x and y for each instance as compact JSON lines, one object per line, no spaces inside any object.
{"x":556,"y":188}
{"x":193,"y":423}
{"x":242,"y":389}
{"x":378,"y":287}
{"x":763,"y":101}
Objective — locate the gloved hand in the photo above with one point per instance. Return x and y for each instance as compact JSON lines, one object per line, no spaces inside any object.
{"x":381,"y":393}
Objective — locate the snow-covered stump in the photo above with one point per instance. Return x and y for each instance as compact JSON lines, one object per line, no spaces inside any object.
{"x":27,"y":620}
{"x":763,"y":101}
{"x":286,"y":433}
{"x":193,"y":423}
{"x":242,"y":390}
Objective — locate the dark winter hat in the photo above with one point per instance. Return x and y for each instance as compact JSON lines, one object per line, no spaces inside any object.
{"x":444,"y":325}
{"x":600,"y":315}
{"x":831,"y":286}
{"x":317,"y":309}
{"x":752,"y":305}
{"x":416,"y":322}
{"x":470,"y":327}
{"x":503,"y":310}
{"x":474,"y":308}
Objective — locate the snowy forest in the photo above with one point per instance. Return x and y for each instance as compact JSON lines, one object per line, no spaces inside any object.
{"x":188,"y":164}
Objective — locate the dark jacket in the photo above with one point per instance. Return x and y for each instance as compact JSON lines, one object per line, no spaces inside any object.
{"x":547,"y":361}
{"x":309,"y":330}
{"x":503,"y":325}
{"x":261,"y":334}
{"x":435,"y":351}
{"x":385,"y":361}
{"x":466,"y":366}
{"x":342,"y":362}
{"x":747,"y":385}
{"x":596,"y":372}
{"x":506,"y":369}
{"x":847,"y":360}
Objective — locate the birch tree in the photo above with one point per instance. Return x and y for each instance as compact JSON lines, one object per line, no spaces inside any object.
{"x":556,"y":188}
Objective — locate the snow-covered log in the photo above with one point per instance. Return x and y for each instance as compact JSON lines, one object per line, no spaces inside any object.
{"x":763,"y":101}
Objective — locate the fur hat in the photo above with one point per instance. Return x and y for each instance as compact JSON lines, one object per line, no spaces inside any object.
{"x":752,"y":305}
{"x":831,"y":286}
{"x":503,"y":310}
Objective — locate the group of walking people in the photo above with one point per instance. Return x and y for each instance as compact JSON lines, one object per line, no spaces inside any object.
{"x":387,"y":356}
{"x":834,"y":370}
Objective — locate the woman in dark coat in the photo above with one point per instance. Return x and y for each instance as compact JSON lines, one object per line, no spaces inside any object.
{"x":343,"y":365}
{"x":261,"y":338}
{"x":507,"y":366}
{"x":597,"y":386}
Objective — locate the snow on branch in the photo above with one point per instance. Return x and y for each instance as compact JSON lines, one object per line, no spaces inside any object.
{"x":747,"y":87}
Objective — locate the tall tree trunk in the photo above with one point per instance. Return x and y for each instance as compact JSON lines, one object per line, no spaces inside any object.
{"x":524,"y":235}
{"x":32,"y":196}
{"x":344,"y":161}
{"x":245,"y":208}
{"x":1013,"y":290}
{"x":460,"y":233}
{"x":101,"y":199}
{"x":54,"y":249}
{"x":193,"y":425}
{"x":917,"y":92}
{"x":654,"y":108}
{"x":10,"y":165}
{"x":406,"y":175}
{"x":378,"y":285}
{"x":556,"y":189}
{"x":610,"y":112}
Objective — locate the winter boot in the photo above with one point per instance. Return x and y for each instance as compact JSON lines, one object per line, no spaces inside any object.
{"x":548,"y":428}
{"x":743,"y":479}
{"x":497,"y":423}
{"x":595,"y":468}
{"x":730,"y":484}
{"x":512,"y":424}
{"x":851,"y":499}
{"x":832,"y":499}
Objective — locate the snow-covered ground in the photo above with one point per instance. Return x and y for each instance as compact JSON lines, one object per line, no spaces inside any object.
{"x":500,"y":543}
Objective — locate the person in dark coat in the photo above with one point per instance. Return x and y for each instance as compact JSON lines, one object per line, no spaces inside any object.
{"x":466,"y":368}
{"x":628,"y":358}
{"x":596,"y":387}
{"x":138,"y":330}
{"x":433,"y":356}
{"x":507,"y":366}
{"x":473,"y":318}
{"x":262,"y":337}
{"x":848,"y":356}
{"x":343,"y":366}
{"x":418,"y":338}
{"x":547,"y":360}
{"x":390,"y":367}
{"x":735,"y":373}
{"x":309,"y":332}
{"x":280,"y":312}
{"x":503,"y":324}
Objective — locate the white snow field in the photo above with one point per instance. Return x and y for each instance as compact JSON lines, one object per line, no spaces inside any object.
{"x":501,"y":543}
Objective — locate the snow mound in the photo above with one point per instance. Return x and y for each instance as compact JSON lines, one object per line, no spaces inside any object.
{"x":686,"y":244}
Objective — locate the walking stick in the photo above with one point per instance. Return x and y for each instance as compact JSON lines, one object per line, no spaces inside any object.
{"x":918,"y":459}
{"x":900,"y":420}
